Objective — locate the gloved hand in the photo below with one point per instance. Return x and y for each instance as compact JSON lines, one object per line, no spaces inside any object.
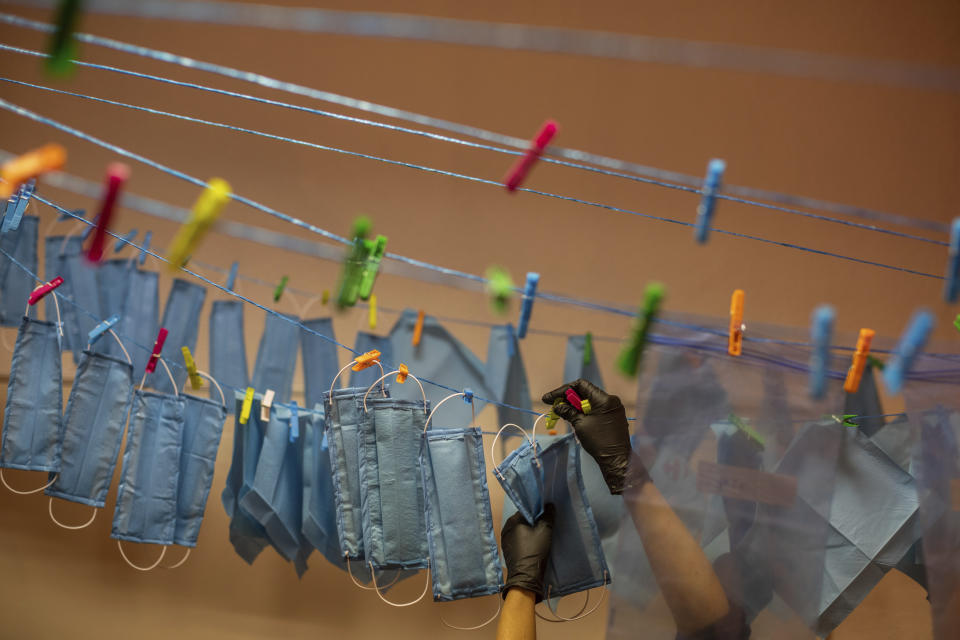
{"x":525,"y":550}
{"x":603,"y":432}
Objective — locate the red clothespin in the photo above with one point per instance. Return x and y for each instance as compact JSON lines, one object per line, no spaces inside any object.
{"x":117,"y":174}
{"x":43,"y":290}
{"x":157,"y":348}
{"x":573,"y":399}
{"x":418,"y":329}
{"x":519,"y":171}
{"x":366,"y":360}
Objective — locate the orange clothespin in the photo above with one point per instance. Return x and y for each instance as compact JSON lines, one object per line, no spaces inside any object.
{"x":366,"y":360}
{"x":247,"y":405}
{"x":735,"y":343}
{"x":372,"y":319}
{"x":30,"y":165}
{"x":266,"y":404}
{"x":418,"y":329}
{"x":852,"y":383}
{"x":402,"y":373}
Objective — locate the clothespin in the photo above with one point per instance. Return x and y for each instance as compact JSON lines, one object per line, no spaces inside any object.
{"x":500,"y":288}
{"x":821,"y":332}
{"x":525,"y":163}
{"x":30,"y":165}
{"x":855,"y":373}
{"x":912,"y":341}
{"x":195,"y":380}
{"x":876,"y":363}
{"x":232,"y":276}
{"x":418,"y":329}
{"x":124,"y":241}
{"x":205,"y":212}
{"x":372,"y":313}
{"x":266,"y":404}
{"x":102,"y":328}
{"x":280,"y":288}
{"x":629,"y":359}
{"x":585,"y":407}
{"x":325,"y":296}
{"x":845,"y":419}
{"x":526,"y":307}
{"x":294,"y":422}
{"x":552,"y":418}
{"x":749,"y":431}
{"x":573,"y":399}
{"x":951,"y":285}
{"x":247,"y":406}
{"x":157,"y":348}
{"x":956,"y":322}
{"x":144,"y":248}
{"x":37,"y":294}
{"x":72,"y":215}
{"x":17,"y":206}
{"x":348,"y":289}
{"x":366,"y":360}
{"x":735,"y":342}
{"x":587,"y":348}
{"x":708,"y":199}
{"x":375,"y":251}
{"x":62,"y":45}
{"x":468,"y":395}
{"x":402,"y":373}
{"x":117,"y":174}
{"x":511,"y":341}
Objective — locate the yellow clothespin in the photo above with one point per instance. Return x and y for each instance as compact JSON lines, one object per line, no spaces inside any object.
{"x":266,"y":404}
{"x":372,"y":320}
{"x":195,"y":380}
{"x":418,"y":329}
{"x":205,"y":212}
{"x":366,"y":360}
{"x":15,"y":172}
{"x":247,"y":404}
{"x":325,"y":297}
{"x":402,"y":373}
{"x":852,"y":383}
{"x":735,"y":343}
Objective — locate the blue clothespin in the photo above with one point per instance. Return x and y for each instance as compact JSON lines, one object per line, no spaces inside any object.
{"x":232,"y":276}
{"x":951,"y":286}
{"x":86,"y":232}
{"x":73,"y":215}
{"x":821,"y":332}
{"x":294,"y":422}
{"x":124,"y":241}
{"x":708,"y":199}
{"x":468,"y":395}
{"x":529,"y":291}
{"x":16,"y":206}
{"x":146,"y":246}
{"x":511,"y":341}
{"x":911,"y":344}
{"x":102,"y":328}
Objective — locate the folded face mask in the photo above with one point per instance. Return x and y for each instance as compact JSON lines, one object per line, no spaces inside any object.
{"x":139,"y":322}
{"x":507,"y":377}
{"x":15,"y":283}
{"x":55,"y":264}
{"x":464,"y":562}
{"x":576,"y":365}
{"x":320,"y":359}
{"x":202,"y":428}
{"x":32,"y":416}
{"x":228,"y":351}
{"x":93,"y":428}
{"x":277,"y":356}
{"x":247,"y":535}
{"x":146,"y":509}
{"x":181,"y":318}
{"x":367,"y":342}
{"x":391,"y":487}
{"x":521,"y":477}
{"x":319,"y":506}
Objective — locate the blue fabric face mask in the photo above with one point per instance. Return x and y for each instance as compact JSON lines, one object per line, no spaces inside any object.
{"x":391,"y":488}
{"x":181,"y":318}
{"x":55,"y":264}
{"x":228,"y":351}
{"x":506,"y":376}
{"x":573,"y":365}
{"x":146,"y":508}
{"x":93,"y":428}
{"x":464,"y":561}
{"x":521,"y":476}
{"x":139,"y":320}
{"x":113,"y":280}
{"x":277,"y":356}
{"x":202,"y":428}
{"x":247,"y":536}
{"x":32,"y":416}
{"x":86,"y":294}
{"x":15,"y":283}
{"x":320,"y":361}
{"x":319,"y":507}
{"x":367,"y":342}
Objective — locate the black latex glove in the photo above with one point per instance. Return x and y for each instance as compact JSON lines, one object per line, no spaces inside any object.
{"x":525,"y":550}
{"x":604,"y":433}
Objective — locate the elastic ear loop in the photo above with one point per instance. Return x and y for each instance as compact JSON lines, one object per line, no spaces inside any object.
{"x":479,"y":626}
{"x":376,"y":587}
{"x":531,"y":438}
{"x":419,"y":384}
{"x":580,"y":615}
{"x":302,"y":311}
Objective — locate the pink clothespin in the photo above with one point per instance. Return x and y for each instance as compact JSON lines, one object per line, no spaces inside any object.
{"x":157,"y":348}
{"x":574,"y":400}
{"x":519,"y":171}
{"x":43,"y":290}
{"x":117,"y":174}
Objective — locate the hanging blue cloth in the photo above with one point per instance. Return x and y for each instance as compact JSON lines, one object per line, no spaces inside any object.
{"x":85,"y":290}
{"x":506,"y":376}
{"x":573,"y":366}
{"x":139,"y":321}
{"x":55,"y":250}
{"x":113,"y":279}
{"x":277,"y":356}
{"x":15,"y":283}
{"x":181,"y":319}
{"x":320,"y":359}
{"x":367,"y":342}
{"x":247,"y":536}
{"x":228,"y":350}
{"x":521,"y":477}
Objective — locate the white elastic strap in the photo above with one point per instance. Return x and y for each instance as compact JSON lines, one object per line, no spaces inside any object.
{"x":376,"y":588}
{"x":122,"y":348}
{"x":173,"y":383}
{"x":223,"y":398}
{"x":306,"y":307}
{"x":528,"y":436}
{"x":387,"y":375}
{"x":350,"y":364}
{"x":580,"y":615}
{"x":479,"y":626}
{"x":473,"y":413}
{"x":66,"y":526}
{"x":26,"y":493}
{"x":163,"y":552}
{"x":26,"y":310}
{"x":364,"y":587}
{"x":182,"y":560}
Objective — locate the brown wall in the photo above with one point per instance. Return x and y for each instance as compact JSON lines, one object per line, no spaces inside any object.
{"x":886,"y":148}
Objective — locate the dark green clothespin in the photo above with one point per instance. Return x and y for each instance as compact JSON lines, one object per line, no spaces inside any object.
{"x":375,"y":251}
{"x":587,"y":348}
{"x":956,"y":322}
{"x":629,"y":359}
{"x":63,"y":47}
{"x":747,"y":430}
{"x":280,"y":287}
{"x":500,"y":287}
{"x":361,"y":265}
{"x":846,"y":419}
{"x":876,"y":363}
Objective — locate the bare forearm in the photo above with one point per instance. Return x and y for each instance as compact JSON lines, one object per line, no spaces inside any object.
{"x":517,"y":620}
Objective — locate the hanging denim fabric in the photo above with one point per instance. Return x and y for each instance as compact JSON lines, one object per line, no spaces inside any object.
{"x":139,"y":321}
{"x":574,"y":365}
{"x":277,"y":356}
{"x":113,"y":280}
{"x":15,"y":283}
{"x":247,"y":536}
{"x":521,"y":476}
{"x":228,"y":351}
{"x":464,"y":561}
{"x":319,"y":507}
{"x":367,"y":342}
{"x":506,"y":376}
{"x":865,"y":404}
{"x":181,"y":318}
{"x":55,"y":250}
{"x":320,"y":361}
{"x":86,"y":295}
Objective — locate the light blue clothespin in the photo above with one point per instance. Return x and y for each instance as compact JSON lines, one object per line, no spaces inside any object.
{"x":529,"y":291}
{"x":468,"y":395}
{"x":911,"y":344}
{"x":124,"y":241}
{"x":232,"y":276}
{"x":73,"y":215}
{"x":511,"y":341}
{"x":708,"y":199}
{"x":821,"y":332}
{"x":951,"y":286}
{"x":146,"y":246}
{"x":102,"y":328}
{"x":16,"y":206}
{"x":294,"y":422}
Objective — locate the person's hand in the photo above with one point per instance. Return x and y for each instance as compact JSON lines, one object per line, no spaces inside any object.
{"x":604,"y":432}
{"x":525,"y":550}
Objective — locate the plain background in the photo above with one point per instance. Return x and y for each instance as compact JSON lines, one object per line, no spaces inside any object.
{"x":892,"y":149}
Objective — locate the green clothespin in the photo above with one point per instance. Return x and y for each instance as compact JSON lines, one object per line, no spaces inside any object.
{"x":845,"y":419}
{"x":956,"y":322}
{"x":375,"y":251}
{"x":876,"y":363}
{"x":500,"y":287}
{"x":587,"y":348}
{"x":348,"y":289}
{"x":629,"y":359}
{"x":62,"y":44}
{"x":280,"y":287}
{"x":747,"y":430}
